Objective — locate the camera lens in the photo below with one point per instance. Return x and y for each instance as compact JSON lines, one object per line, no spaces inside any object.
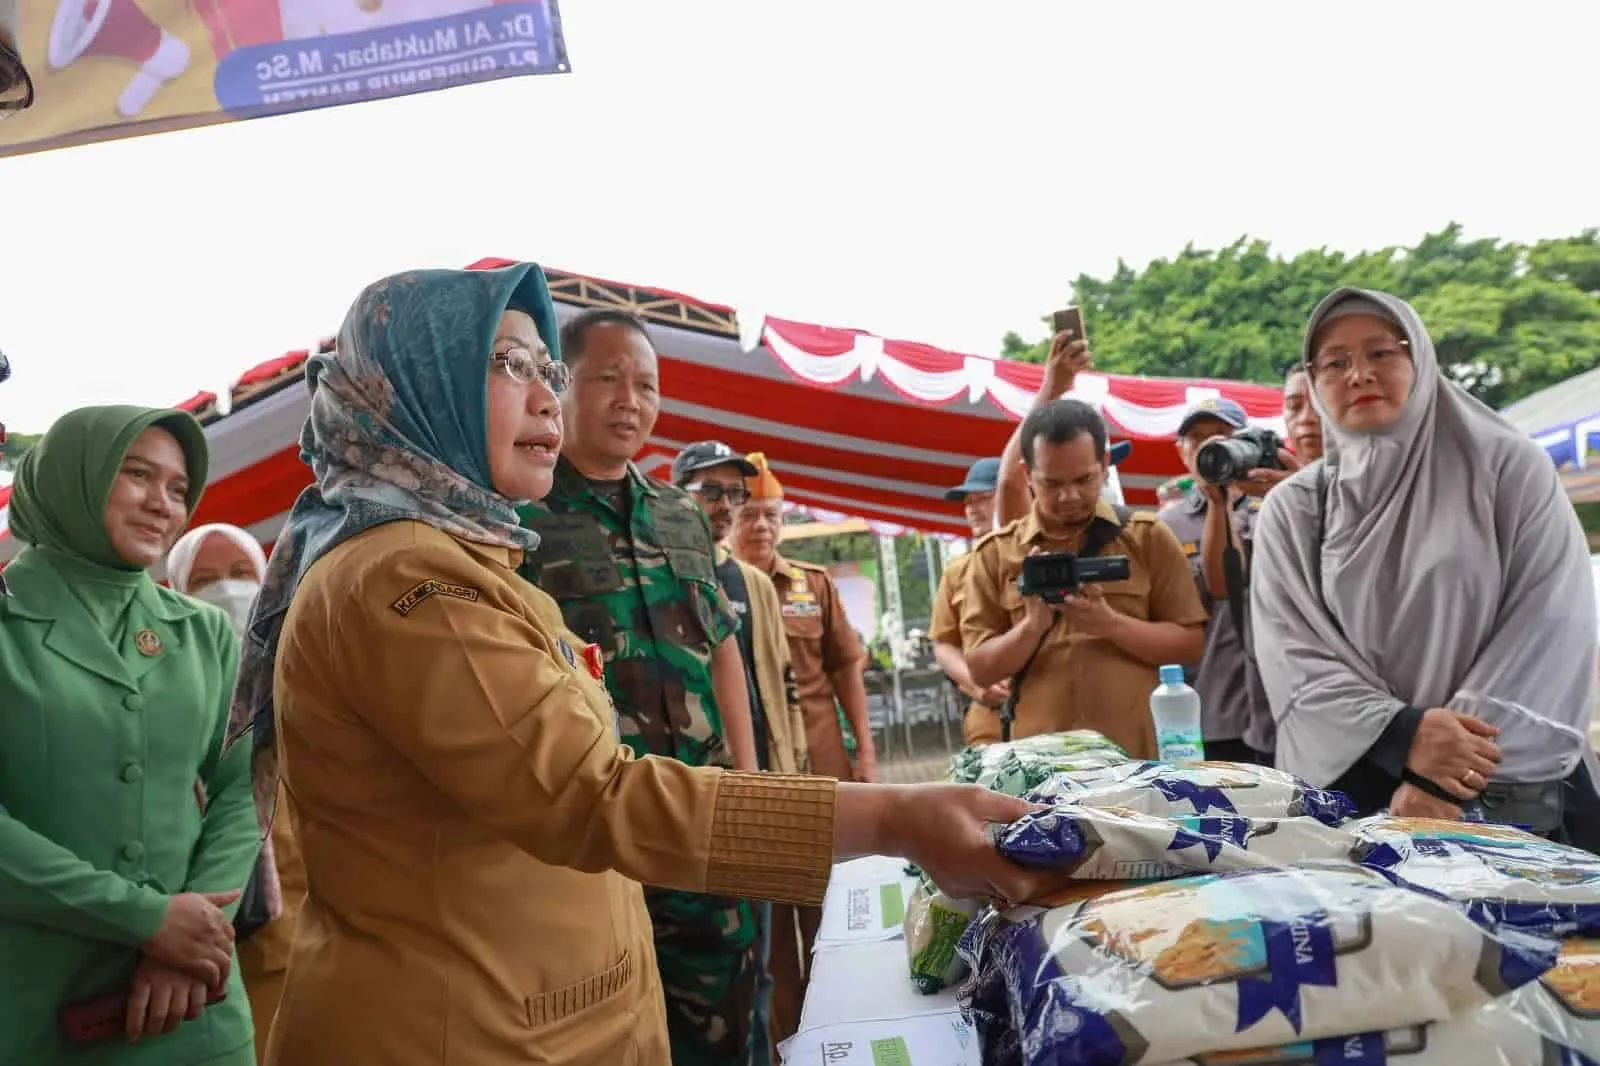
{"x":1226,"y":459}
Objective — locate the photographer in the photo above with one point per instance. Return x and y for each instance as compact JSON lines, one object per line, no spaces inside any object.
{"x":1220,"y":510}
{"x":1089,"y":661}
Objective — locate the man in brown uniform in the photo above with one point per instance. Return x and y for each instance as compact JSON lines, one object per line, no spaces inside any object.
{"x":977,"y":498}
{"x":1089,"y":662}
{"x":828,"y":661}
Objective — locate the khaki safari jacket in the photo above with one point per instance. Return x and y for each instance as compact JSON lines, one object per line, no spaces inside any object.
{"x":780,"y":700}
{"x":821,"y":643}
{"x":1078,"y":681}
{"x":474,"y":834}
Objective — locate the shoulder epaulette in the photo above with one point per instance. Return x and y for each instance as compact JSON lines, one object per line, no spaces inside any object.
{"x":993,"y":533}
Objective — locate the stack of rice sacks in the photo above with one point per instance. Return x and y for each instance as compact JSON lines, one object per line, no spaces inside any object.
{"x":1225,"y":913}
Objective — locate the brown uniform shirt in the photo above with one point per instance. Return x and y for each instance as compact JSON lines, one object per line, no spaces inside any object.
{"x":1078,"y":681}
{"x":463,"y":803}
{"x":945,"y":628}
{"x":821,"y":641}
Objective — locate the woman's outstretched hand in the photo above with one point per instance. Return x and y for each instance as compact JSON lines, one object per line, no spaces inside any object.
{"x":944,"y":830}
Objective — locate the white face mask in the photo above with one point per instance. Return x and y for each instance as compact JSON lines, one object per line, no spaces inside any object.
{"x":233,"y":596}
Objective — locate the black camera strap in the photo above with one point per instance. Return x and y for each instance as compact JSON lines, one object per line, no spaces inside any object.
{"x":1233,"y":575}
{"x":1100,"y":534}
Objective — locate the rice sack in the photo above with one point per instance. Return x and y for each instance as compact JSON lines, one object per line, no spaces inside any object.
{"x":1118,"y":844}
{"x":1076,"y":745}
{"x":1169,"y":970}
{"x":1502,"y":873}
{"x":1214,"y":788}
{"x":1554,"y":1021}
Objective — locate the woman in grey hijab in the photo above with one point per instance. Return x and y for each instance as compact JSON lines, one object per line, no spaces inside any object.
{"x":1423,"y":616}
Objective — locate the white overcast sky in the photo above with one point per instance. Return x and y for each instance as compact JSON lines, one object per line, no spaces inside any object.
{"x":927,"y":170}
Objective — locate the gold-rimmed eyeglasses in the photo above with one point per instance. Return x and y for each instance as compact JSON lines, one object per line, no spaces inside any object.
{"x":1333,"y":363}
{"x":524,"y":367}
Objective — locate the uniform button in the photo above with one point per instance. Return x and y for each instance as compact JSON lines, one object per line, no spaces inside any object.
{"x":133,"y":703}
{"x":132,"y":772}
{"x":133,"y":851}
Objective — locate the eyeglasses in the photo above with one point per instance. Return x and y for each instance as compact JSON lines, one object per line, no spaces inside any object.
{"x":522,"y":366}
{"x":1336,"y":362}
{"x":16,"y":88}
{"x":713,"y":492}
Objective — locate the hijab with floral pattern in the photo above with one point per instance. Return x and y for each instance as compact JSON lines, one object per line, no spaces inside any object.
{"x":398,"y":431}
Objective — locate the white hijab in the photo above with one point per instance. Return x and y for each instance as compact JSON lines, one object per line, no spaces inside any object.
{"x":234,"y":597}
{"x":1452,"y":573}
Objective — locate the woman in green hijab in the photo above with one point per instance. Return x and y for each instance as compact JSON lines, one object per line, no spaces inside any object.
{"x":125,"y":834}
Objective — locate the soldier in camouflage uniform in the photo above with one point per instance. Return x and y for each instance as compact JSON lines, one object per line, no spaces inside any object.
{"x":630,"y":560}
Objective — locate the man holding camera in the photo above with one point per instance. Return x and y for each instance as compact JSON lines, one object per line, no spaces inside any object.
{"x":1080,"y":656}
{"x":1230,"y":473}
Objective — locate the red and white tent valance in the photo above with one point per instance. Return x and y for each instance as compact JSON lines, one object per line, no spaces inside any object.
{"x":852,"y":424}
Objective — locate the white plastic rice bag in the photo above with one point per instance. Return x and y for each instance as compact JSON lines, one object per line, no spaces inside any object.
{"x":1170,"y":970}
{"x":1201,"y":788}
{"x":1073,"y":749}
{"x":1503,"y":874}
{"x":1118,"y":844}
{"x":1554,"y":1021}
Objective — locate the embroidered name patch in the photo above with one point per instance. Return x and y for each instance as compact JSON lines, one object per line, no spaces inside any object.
{"x":432,"y":587}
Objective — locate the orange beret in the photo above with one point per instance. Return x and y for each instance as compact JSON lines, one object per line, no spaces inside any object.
{"x":763,"y":486}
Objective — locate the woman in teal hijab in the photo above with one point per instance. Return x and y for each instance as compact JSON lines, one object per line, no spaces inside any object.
{"x":474,"y":831}
{"x":125,"y":833}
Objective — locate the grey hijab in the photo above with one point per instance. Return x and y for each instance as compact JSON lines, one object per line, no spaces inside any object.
{"x":1452,"y":573}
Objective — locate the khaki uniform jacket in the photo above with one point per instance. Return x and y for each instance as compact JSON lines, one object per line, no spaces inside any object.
{"x":1079,"y":681}
{"x":473,"y":833}
{"x":786,"y":726}
{"x":264,"y":955}
{"x":821,"y":643}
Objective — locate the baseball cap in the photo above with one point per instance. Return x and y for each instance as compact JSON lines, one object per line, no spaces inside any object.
{"x":16,"y":87}
{"x":983,"y":476}
{"x":1227,"y":412}
{"x":705,"y":454}
{"x":1120,"y":451}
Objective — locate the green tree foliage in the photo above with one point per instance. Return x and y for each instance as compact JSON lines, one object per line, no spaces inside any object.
{"x":1508,"y":319}
{"x":15,"y":445}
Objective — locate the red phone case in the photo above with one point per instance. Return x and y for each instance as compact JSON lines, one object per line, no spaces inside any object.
{"x":91,"y":1020}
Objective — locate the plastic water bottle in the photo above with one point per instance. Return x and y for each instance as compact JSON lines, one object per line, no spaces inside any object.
{"x":1176,"y":710}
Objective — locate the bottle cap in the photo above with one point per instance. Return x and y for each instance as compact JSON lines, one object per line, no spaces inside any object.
{"x":1172,"y":675}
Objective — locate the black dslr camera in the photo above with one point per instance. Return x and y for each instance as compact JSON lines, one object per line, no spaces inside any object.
{"x":1222,"y":460}
{"x":1053,"y":576}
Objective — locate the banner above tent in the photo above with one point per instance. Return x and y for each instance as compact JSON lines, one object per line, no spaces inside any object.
{"x":104,"y":69}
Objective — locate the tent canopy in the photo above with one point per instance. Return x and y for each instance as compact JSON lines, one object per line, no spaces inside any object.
{"x":852,"y":424}
{"x":1564,"y":418}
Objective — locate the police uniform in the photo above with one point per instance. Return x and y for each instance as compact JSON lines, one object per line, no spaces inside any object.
{"x":633,"y":567}
{"x":1235,"y":719}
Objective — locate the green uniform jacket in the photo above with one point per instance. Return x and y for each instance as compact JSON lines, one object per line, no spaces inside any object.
{"x":101,"y":749}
